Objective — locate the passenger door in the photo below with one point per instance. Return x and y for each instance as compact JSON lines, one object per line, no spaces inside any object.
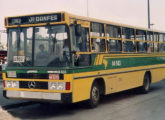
{"x":81,"y":43}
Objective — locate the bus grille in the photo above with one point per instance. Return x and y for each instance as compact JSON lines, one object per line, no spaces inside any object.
{"x":32,"y":75}
{"x":36,"y":76}
{"x":33,"y":85}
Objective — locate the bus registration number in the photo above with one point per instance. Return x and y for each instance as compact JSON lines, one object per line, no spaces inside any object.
{"x":116,"y":63}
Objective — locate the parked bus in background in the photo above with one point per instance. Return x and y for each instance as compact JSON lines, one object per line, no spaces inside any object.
{"x":68,"y":58}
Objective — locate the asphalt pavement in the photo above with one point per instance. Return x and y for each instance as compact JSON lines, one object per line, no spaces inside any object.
{"x":127,"y":105}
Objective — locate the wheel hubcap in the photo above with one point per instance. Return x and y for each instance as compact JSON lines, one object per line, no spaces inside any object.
{"x":95,"y":94}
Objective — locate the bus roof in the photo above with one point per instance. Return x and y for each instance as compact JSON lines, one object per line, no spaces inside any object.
{"x":113,"y":23}
{"x":57,"y":17}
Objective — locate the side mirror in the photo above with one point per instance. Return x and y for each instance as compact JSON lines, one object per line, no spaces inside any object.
{"x":78,"y":30}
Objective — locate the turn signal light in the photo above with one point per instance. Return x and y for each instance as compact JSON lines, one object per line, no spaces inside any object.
{"x":67,"y":86}
{"x":4,"y":84}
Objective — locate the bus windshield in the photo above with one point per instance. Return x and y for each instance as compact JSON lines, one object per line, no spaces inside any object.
{"x":39,"y":46}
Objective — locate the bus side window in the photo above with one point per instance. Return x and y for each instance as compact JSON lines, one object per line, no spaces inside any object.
{"x":75,"y":38}
{"x":83,"y":60}
{"x":114,"y":46}
{"x":150,"y":45}
{"x":113,"y":31}
{"x":140,"y":35}
{"x":128,"y":33}
{"x":156,"y":40}
{"x":129,"y":46}
{"x":150,"y":36}
{"x":84,"y":44}
{"x":97,"y":29}
{"x":80,"y":38}
{"x":141,"y":44}
{"x":141,"y":47}
{"x":162,"y":45}
{"x":95,"y":45}
{"x":98,"y":45}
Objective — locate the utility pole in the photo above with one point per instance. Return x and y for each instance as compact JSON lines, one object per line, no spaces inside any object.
{"x":149,"y":14}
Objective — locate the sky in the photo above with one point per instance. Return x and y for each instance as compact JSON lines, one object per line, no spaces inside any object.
{"x":131,"y":12}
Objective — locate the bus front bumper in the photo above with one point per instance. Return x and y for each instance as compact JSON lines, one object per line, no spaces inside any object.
{"x":61,"y":97}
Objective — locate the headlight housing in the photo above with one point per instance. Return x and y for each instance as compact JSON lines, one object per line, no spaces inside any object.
{"x":11,"y":84}
{"x":58,"y":86}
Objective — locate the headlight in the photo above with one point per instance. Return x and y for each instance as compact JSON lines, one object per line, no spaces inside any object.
{"x":57,"y":85}
{"x":11,"y":84}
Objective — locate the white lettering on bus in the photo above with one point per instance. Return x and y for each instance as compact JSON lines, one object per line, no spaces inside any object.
{"x":43,"y":18}
{"x":61,"y":71}
{"x":32,"y":71}
{"x":32,"y":19}
{"x":16,"y":21}
{"x":116,"y":63}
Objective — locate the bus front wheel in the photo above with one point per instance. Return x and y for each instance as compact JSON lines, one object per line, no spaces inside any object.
{"x":94,"y":96}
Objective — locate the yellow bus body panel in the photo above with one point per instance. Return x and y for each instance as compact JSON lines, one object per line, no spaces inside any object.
{"x":116,"y":81}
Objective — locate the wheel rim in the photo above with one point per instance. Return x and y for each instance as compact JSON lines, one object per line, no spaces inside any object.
{"x":95,"y":94}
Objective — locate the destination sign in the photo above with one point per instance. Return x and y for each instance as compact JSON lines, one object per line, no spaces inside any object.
{"x":34,"y":19}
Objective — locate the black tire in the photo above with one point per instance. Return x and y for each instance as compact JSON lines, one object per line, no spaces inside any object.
{"x":146,"y":84}
{"x":94,"y":96}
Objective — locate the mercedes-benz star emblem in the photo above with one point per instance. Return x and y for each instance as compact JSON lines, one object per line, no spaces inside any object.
{"x":31,"y":84}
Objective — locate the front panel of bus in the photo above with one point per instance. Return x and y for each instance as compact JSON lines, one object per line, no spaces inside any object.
{"x":39,"y":58}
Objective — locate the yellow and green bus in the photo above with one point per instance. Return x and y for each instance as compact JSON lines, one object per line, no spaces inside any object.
{"x":67,"y":58}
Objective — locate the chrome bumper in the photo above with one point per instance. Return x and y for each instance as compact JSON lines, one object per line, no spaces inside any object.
{"x":33,"y":95}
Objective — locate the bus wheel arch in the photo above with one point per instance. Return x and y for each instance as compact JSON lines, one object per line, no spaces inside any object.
{"x":101,"y":84}
{"x":97,"y":89}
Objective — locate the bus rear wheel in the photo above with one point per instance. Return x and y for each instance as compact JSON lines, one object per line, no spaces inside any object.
{"x":146,"y":84}
{"x":94,"y":96}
